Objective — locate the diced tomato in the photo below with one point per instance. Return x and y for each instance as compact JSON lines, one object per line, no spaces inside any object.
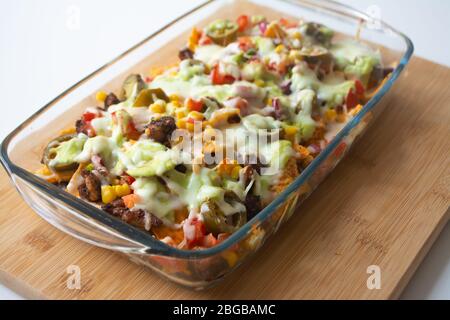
{"x":89,"y":116}
{"x":170,"y":264}
{"x":339,"y":152}
{"x":209,"y":241}
{"x":351,"y":100}
{"x":86,"y":126}
{"x":359,"y":87}
{"x":194,"y":105}
{"x":130,"y":200}
{"x":190,"y":120}
{"x":198,"y":233}
{"x":243,"y":22}
{"x":91,"y":131}
{"x":245,"y":43}
{"x":280,"y":67}
{"x":355,"y":95}
{"x":241,"y":104}
{"x":272,"y":66}
{"x":288,"y":24}
{"x":114,"y":117}
{"x":128,"y":179}
{"x":221,"y":237}
{"x":132,"y":132}
{"x":218,"y":78}
{"x":205,"y":40}
{"x":200,"y":230}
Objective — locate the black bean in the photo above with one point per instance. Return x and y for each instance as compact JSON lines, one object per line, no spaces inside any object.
{"x":80,"y":126}
{"x":111,"y":99}
{"x":185,"y":54}
{"x":253,"y":205}
{"x":181,"y":168}
{"x":286,"y":87}
{"x":279,"y":112}
{"x":234,"y":119}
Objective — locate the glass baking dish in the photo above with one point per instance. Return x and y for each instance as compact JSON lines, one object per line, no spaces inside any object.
{"x":21,"y":150}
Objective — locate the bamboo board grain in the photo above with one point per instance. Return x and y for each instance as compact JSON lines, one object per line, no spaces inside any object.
{"x":384,"y":205}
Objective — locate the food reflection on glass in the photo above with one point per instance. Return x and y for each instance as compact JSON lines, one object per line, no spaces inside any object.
{"x":193,"y":151}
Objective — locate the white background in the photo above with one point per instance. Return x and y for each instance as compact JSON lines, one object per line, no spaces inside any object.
{"x":43,"y":52}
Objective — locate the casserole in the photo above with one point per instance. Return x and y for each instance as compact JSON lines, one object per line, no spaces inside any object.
{"x":192,"y":268}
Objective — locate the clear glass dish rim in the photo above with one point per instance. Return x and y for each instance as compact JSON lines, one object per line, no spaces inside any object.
{"x":152,"y":245}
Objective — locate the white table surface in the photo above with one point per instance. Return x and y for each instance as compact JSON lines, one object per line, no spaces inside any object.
{"x":45,"y":48}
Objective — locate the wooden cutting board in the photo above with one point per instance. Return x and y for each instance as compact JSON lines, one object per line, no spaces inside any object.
{"x":384,"y":205}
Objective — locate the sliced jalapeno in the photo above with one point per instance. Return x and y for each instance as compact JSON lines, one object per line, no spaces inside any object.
{"x":50,"y":154}
{"x":222,"y":32}
{"x":216,"y":222}
{"x":319,"y":33}
{"x":315,"y":54}
{"x":148,"y":96}
{"x":132,"y":83}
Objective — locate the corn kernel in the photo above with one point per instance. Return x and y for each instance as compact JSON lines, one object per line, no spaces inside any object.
{"x":122,"y":190}
{"x":196,"y":115}
{"x":108,"y":194}
{"x":331,"y":115}
{"x":221,"y":117}
{"x":67,"y":131}
{"x":235,"y":172}
{"x":205,"y":124}
{"x":295,"y":55}
{"x":279,"y":48}
{"x":194,"y":38}
{"x":176,"y":103}
{"x":226,"y":167}
{"x":341,"y":118}
{"x":210,"y":131}
{"x":231,"y":258}
{"x":44,"y":171}
{"x":209,"y":147}
{"x":158,"y":108}
{"x":101,"y":96}
{"x":302,"y":151}
{"x":356,"y":110}
{"x":297,"y":35}
{"x":196,"y":169}
{"x":180,"y":114}
{"x":156,"y":71}
{"x":274,"y":31}
{"x":291,"y":131}
{"x":174,"y":97}
{"x":308,"y":160}
{"x":190,"y":126}
{"x":304,"y":189}
{"x":181,"y":123}
{"x":260,"y":83}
